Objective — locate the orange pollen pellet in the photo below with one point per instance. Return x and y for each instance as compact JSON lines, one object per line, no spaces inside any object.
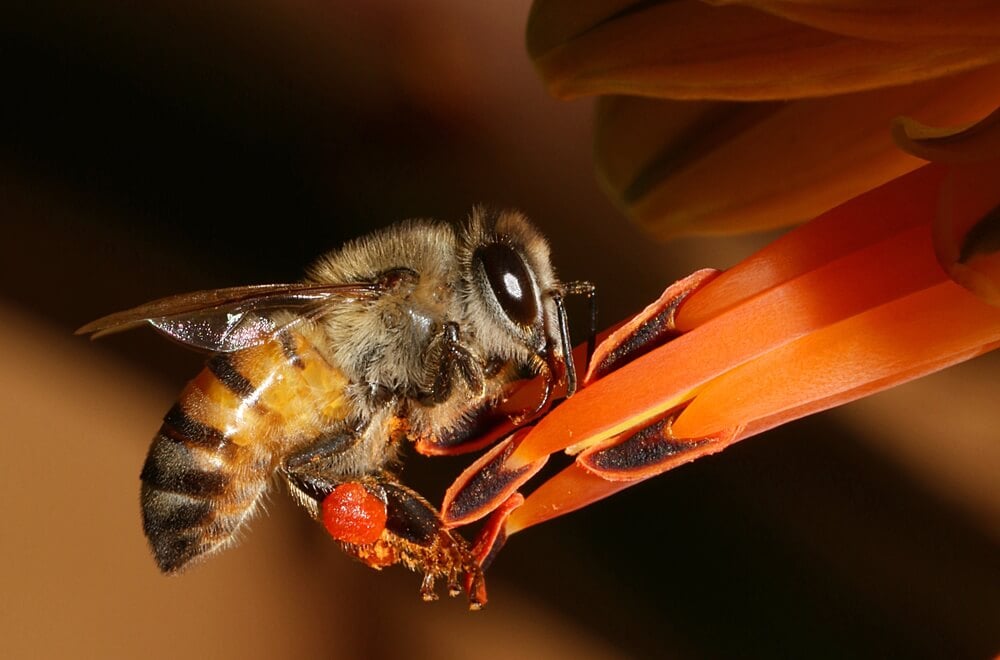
{"x":353,"y":515}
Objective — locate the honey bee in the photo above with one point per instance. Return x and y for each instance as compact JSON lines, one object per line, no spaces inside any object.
{"x":413,"y":333}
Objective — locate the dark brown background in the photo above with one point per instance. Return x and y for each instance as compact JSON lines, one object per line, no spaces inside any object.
{"x":137,"y":147}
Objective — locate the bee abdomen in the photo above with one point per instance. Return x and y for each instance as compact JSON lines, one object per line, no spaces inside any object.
{"x":193,"y":496}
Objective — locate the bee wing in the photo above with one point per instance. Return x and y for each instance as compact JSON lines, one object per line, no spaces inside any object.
{"x":230,"y":319}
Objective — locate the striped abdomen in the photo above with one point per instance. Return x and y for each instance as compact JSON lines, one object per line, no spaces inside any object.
{"x":213,"y":457}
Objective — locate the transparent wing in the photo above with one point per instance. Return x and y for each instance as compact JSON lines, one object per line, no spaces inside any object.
{"x":230,"y":319}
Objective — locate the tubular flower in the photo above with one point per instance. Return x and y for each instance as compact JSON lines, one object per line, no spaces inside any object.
{"x":896,"y":275}
{"x":739,"y":116}
{"x":895,"y":284}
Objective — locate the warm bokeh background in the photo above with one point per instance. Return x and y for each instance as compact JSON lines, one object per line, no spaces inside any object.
{"x":138,"y":146}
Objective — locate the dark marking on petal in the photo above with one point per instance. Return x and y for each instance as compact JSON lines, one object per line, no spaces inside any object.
{"x":655,"y":332}
{"x":983,"y":237}
{"x":487,"y":483}
{"x":643,"y":449}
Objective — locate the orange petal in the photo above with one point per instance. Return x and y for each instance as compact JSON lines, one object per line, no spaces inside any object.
{"x":689,"y":50}
{"x":485,"y":484}
{"x":881,"y":347}
{"x":653,"y":384}
{"x":576,"y":486}
{"x":975,"y":142}
{"x":871,"y":218}
{"x":888,"y":20}
{"x":967,"y":232}
{"x":979,"y":269}
{"x":550,"y":499}
{"x":902,"y":339}
{"x":553,"y":23}
{"x":700,"y":168}
{"x":763,"y":317}
{"x":884,"y":346}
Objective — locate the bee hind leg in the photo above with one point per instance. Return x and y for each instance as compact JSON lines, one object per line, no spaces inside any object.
{"x":314,"y":471}
{"x":425,"y":545}
{"x":378,"y":520}
{"x":381,"y":522}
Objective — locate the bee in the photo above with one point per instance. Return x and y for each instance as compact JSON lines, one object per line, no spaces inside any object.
{"x":414,"y":333}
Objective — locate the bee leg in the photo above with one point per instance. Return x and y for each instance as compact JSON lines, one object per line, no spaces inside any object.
{"x":425,"y":544}
{"x":381,"y":522}
{"x":446,"y":356}
{"x":311,"y":470}
{"x":410,"y":533}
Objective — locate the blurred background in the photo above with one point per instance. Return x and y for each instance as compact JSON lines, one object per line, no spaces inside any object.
{"x":152,"y":148}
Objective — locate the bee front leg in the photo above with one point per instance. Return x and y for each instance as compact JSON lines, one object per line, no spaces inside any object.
{"x":447,"y":357}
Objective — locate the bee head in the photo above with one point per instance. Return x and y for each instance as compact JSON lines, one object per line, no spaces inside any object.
{"x":510,"y":280}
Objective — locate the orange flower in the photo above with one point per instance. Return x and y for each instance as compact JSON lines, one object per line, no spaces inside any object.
{"x":898,"y":276}
{"x":742,"y":118}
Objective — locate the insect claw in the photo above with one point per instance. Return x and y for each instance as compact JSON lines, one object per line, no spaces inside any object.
{"x":548,"y":379}
{"x":475,"y":587}
{"x":427,"y":592}
{"x":454,"y":588}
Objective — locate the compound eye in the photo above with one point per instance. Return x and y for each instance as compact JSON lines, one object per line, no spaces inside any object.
{"x":511,"y":282}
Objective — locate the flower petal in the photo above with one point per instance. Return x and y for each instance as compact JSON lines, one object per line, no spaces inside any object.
{"x":967,"y":231}
{"x":887,"y":20}
{"x":884,"y":346}
{"x":553,"y":23}
{"x":667,"y":377}
{"x":549,"y":499}
{"x":975,"y":142}
{"x":689,"y":50}
{"x":866,"y":220}
{"x":852,"y":303}
{"x":681,"y":168}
